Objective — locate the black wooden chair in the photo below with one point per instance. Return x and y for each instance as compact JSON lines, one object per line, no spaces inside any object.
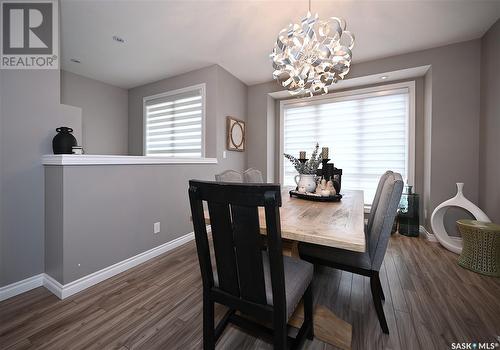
{"x":377,"y":232}
{"x":258,"y":286}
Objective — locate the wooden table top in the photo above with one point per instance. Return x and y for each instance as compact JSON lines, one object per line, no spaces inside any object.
{"x":333,"y":224}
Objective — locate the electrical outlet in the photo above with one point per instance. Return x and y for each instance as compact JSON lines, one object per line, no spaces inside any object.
{"x":224,"y":154}
{"x":156,"y":227}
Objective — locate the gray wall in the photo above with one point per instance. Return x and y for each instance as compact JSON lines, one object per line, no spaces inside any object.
{"x":2,"y":242}
{"x":124,"y":208}
{"x":454,"y":120}
{"x":231,"y":101}
{"x":135,"y":98}
{"x":261,"y":144}
{"x":30,"y":112}
{"x":225,"y":96}
{"x":54,"y":221}
{"x":489,"y":156}
{"x":104,"y":113}
{"x":426,"y":193}
{"x":450,"y":113}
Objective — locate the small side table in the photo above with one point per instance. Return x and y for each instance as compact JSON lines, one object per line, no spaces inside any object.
{"x":481,"y":247}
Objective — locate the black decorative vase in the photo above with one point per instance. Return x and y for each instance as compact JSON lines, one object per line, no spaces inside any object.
{"x":408,"y":214}
{"x":64,"y":141}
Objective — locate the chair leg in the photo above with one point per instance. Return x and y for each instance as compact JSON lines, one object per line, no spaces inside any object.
{"x":379,"y":286}
{"x":308,"y":311}
{"x":377,"y":300}
{"x":208,"y":323}
{"x":280,"y":335}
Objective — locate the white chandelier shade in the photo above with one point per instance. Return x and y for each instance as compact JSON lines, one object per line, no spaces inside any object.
{"x":310,"y":56}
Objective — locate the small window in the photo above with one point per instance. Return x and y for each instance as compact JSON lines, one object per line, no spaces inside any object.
{"x":174,"y":123}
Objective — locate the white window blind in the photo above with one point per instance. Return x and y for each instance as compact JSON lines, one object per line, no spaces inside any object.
{"x":174,"y":122}
{"x":366,"y":134}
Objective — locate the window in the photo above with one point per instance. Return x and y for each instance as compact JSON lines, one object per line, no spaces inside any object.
{"x":367,"y":132}
{"x":174,"y":123}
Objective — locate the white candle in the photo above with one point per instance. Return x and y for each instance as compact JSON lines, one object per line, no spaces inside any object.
{"x":324,"y":152}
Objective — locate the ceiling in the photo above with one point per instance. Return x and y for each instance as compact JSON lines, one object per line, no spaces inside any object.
{"x":166,"y":38}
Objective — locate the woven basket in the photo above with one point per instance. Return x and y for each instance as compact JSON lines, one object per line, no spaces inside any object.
{"x":481,"y":247}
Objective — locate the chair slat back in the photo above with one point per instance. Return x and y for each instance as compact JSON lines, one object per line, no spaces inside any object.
{"x":246,"y":232}
{"x":234,"y":219}
{"x":224,"y":245}
{"x":378,"y":237}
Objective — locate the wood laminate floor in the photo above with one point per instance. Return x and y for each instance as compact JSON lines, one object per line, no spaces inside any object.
{"x":430,"y":303}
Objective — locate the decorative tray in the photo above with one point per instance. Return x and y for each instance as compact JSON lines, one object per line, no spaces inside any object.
{"x":315,"y":197}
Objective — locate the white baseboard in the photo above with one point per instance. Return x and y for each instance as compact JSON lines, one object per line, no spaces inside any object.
{"x":53,"y":286}
{"x":66,"y":290}
{"x":426,"y":234}
{"x":19,"y":287}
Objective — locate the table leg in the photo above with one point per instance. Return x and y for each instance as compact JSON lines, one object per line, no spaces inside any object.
{"x":328,"y":327}
{"x":290,"y":248}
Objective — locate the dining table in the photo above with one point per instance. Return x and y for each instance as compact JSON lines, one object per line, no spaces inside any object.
{"x":333,"y":224}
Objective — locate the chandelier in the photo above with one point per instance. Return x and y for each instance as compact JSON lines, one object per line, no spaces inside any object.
{"x":310,"y":56}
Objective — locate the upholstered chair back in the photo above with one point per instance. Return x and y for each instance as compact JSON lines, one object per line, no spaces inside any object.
{"x":253,"y":176}
{"x":229,"y":176}
{"x":383,"y":220}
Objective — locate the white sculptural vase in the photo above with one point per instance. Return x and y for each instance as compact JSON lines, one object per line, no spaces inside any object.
{"x":454,"y":244}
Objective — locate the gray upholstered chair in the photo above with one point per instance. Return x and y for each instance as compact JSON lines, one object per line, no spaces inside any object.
{"x":377,"y":238}
{"x":373,"y":208}
{"x":252,"y":176}
{"x":229,"y":176}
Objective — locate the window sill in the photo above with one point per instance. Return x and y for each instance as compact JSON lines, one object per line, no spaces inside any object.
{"x":97,"y":159}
